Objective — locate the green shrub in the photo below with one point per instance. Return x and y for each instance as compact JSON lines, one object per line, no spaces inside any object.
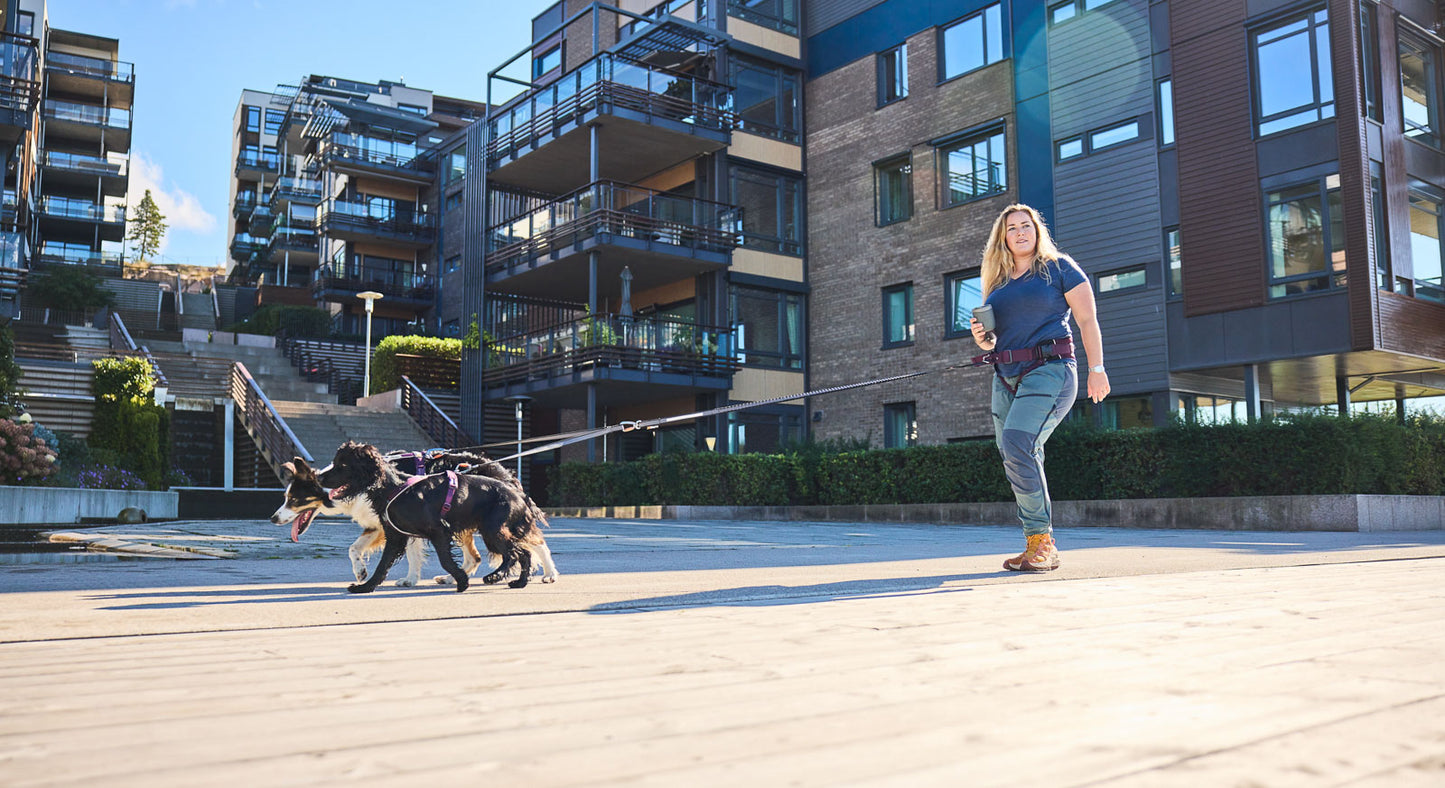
{"x":127,"y":421}
{"x":297,"y":322}
{"x":68,"y":287}
{"x":384,"y":374}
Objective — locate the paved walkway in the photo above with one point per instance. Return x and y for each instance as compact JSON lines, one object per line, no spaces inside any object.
{"x":707,"y":653}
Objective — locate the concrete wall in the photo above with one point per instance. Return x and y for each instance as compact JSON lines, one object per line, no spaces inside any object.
{"x":56,"y":505}
{"x":1264,"y":513}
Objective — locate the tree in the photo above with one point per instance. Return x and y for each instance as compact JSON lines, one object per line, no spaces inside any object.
{"x":68,"y":287}
{"x":147,"y":228}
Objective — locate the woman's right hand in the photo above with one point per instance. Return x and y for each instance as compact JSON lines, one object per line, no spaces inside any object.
{"x":982,"y":338}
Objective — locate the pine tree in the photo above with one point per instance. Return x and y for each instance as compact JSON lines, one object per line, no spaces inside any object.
{"x":147,"y":228}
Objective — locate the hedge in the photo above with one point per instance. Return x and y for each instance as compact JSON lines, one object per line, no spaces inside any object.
{"x":1295,"y":455}
{"x":127,"y":421}
{"x":384,"y":375}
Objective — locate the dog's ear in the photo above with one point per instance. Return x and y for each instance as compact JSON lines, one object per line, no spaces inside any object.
{"x":287,"y":471}
{"x":300,"y":464}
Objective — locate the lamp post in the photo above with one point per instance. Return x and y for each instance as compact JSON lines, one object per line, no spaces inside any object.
{"x":370,"y":297}
{"x":519,"y":400}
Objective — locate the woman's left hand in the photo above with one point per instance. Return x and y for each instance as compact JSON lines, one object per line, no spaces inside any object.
{"x":1098,"y":386}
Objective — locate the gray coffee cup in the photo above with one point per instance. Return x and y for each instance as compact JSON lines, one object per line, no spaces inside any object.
{"x":984,"y":316}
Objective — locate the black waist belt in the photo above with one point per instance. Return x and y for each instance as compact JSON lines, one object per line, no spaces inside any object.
{"x":1044,"y":351}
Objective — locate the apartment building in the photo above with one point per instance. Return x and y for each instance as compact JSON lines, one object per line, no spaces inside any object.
{"x":65,"y":137}
{"x":634,"y":242}
{"x":336,"y":190}
{"x":1253,"y":188}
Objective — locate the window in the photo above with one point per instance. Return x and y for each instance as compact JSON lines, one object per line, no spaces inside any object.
{"x":1369,"y":61}
{"x":764,"y":429}
{"x":1425,"y":235}
{"x":768,"y":326}
{"x":1176,"y":262}
{"x":453,"y":263}
{"x":766,"y":98}
{"x":415,"y":109}
{"x":962,"y":292}
{"x":544,"y":63}
{"x":1420,"y":89}
{"x":274,"y":118}
{"x":900,"y":425}
{"x":453,"y":201}
{"x":457,"y":166}
{"x":772,"y":209}
{"x":972,"y":43}
{"x":893,"y":75}
{"x":1071,"y":147}
{"x":1380,"y":229}
{"x":898,"y":315}
{"x":1113,"y":135}
{"x":780,"y":15}
{"x":894,"y":190}
{"x":1069,"y":9}
{"x":25,"y":23}
{"x":1166,"y":112}
{"x":1293,"y":81}
{"x":972,"y":167}
{"x":1306,"y":237}
{"x":253,"y":119}
{"x":1122,"y":280}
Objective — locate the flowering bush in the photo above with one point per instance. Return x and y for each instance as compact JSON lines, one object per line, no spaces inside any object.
{"x":106,"y":477}
{"x":24,"y":457}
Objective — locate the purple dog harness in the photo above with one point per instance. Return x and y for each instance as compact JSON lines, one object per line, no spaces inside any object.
{"x":412,"y":480}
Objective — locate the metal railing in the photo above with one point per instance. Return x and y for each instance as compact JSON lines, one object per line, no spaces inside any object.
{"x":392,"y":284}
{"x":122,"y":342}
{"x":51,"y":254}
{"x":96,"y":165}
{"x":336,"y":152}
{"x":612,"y":80}
{"x":296,"y":189}
{"x":340,"y":365}
{"x":72,"y":208}
{"x":261,"y":420}
{"x":433,"y":420}
{"x":91,"y":114}
{"x":91,"y":66}
{"x":14,"y":263}
{"x":19,"y":87}
{"x":650,"y":344}
{"x":341,"y":214}
{"x":618,"y":209}
{"x":252,"y":160}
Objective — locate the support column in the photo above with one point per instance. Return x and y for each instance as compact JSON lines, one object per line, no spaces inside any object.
{"x":592,"y":421}
{"x":1251,"y":392}
{"x":1400,"y":404}
{"x":1342,"y":395}
{"x":228,"y":467}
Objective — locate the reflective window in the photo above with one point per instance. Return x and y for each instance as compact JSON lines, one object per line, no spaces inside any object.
{"x":973,"y":43}
{"x":545,"y":62}
{"x":898,"y":315}
{"x":766,"y":99}
{"x":1306,"y":238}
{"x":1175,"y":261}
{"x":1166,"y":112}
{"x":1114,"y":135}
{"x":1369,"y":61}
{"x":274,"y":117}
{"x":1122,"y":280}
{"x":1425,"y":235}
{"x":900,"y":425}
{"x":962,"y":293}
{"x":1070,"y":148}
{"x":893,"y":74}
{"x":1293,"y":78}
{"x":457,"y":166}
{"x":771,"y":209}
{"x":1420,"y":89}
{"x":973,"y":167}
{"x":767,"y":326}
{"x":894,"y":190}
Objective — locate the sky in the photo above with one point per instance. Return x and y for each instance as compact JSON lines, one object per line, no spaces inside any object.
{"x":194,"y":57}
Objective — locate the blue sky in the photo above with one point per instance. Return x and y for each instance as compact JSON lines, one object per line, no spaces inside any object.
{"x":194,"y":57}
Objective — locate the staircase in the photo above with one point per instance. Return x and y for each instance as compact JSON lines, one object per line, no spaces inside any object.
{"x":57,"y":394}
{"x":198,"y":310}
{"x":321,"y":427}
{"x":203,"y":369}
{"x":87,"y":342}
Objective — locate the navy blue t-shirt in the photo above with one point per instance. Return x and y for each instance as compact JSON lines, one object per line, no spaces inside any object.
{"x":1029,"y":310}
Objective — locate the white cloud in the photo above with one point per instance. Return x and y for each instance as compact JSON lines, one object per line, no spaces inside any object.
{"x":182,"y":210}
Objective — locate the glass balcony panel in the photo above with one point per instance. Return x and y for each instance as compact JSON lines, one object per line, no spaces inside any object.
{"x":111,"y":117}
{"x":109,"y":166}
{"x":71,"y":208}
{"x":90,"y":66}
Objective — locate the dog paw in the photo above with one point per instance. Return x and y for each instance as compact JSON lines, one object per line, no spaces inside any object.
{"x":492,"y":579}
{"x":359,"y":588}
{"x":360,"y":575}
{"x":520,"y":582}
{"x":405,"y":582}
{"x":443,"y":580}
{"x":548,"y":579}
{"x":463,"y":584}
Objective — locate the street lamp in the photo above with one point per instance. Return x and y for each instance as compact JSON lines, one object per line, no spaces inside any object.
{"x":370,"y":297}
{"x":519,"y":399}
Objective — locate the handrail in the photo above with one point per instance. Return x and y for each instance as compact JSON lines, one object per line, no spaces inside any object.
{"x":274,"y":435}
{"x":425,"y":413}
{"x":118,"y":331}
{"x":155,"y":367}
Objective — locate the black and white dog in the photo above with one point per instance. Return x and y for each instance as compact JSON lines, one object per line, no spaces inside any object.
{"x":438,"y":508}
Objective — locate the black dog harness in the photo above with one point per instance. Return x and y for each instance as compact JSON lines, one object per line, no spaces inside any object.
{"x":410,"y":482}
{"x":1033,"y":358}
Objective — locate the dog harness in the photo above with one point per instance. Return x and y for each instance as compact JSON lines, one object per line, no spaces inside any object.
{"x":1037,"y":356}
{"x":410,"y":482}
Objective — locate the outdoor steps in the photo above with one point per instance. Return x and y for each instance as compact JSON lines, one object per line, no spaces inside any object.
{"x":87,"y":342}
{"x":57,"y":394}
{"x":198,"y":310}
{"x":322,"y":427}
{"x":208,"y":364}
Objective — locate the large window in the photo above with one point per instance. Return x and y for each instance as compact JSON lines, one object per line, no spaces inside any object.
{"x":457,"y":166}
{"x":893,"y":74}
{"x":972,"y":167}
{"x":766,"y":98}
{"x":962,"y":292}
{"x":767,"y":429}
{"x":1166,"y":112}
{"x":894,"y":189}
{"x":1175,"y":262}
{"x":900,"y":425}
{"x":780,"y":15}
{"x":544,"y":63}
{"x":972,"y":43}
{"x":253,"y":119}
{"x":1306,"y":237}
{"x":768,"y":325}
{"x":1369,"y":61}
{"x":772,"y":209}
{"x":1293,"y":81}
{"x":898,"y":315}
{"x":1425,"y":235}
{"x":274,"y":118}
{"x":1420,"y":89}
{"x":1384,"y":270}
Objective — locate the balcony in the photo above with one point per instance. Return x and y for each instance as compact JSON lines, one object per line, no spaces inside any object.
{"x":90,"y":76}
{"x":19,"y":86}
{"x":643,"y":359}
{"x":244,"y":203}
{"x":359,"y":221}
{"x":105,"y":263}
{"x":14,"y":263}
{"x":652,"y":118}
{"x":244,"y":245}
{"x":341,"y":284}
{"x":253,"y":163}
{"x":659,"y":237}
{"x":299,"y":242}
{"x":357,"y":155}
{"x":81,"y":215}
{"x":87,"y":123}
{"x":306,"y":191}
{"x":76,"y":169}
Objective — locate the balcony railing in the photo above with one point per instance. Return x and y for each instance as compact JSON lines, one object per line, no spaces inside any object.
{"x":14,"y":261}
{"x":264,"y":162}
{"x":291,"y":238}
{"x":19,"y":88}
{"x":302,"y":190}
{"x":244,"y":204}
{"x":335,"y":215}
{"x":618,"y":209}
{"x":245,"y":244}
{"x":89,"y":114}
{"x":780,"y":15}
{"x":338,"y":151}
{"x":645,"y":344}
{"x":614,"y":80}
{"x":90,"y":66}
{"x":96,"y":165}
{"x":59,"y":255}
{"x":396,"y":285}
{"x":71,"y":208}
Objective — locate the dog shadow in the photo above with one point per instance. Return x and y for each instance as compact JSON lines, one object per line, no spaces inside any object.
{"x":775,"y":595}
{"x":220,"y":597}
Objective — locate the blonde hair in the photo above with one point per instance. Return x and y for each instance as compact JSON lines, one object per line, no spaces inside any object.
{"x":998,"y":261}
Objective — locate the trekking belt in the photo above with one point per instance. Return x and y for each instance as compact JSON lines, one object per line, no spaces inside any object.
{"x":1032,"y":358}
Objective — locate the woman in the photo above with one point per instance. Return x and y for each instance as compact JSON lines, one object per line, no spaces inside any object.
{"x":1033,"y":287}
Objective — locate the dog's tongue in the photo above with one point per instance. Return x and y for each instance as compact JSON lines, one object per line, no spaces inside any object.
{"x":298,"y":526}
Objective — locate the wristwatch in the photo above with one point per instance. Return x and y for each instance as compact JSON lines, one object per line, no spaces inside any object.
{"x":1099,"y":368}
